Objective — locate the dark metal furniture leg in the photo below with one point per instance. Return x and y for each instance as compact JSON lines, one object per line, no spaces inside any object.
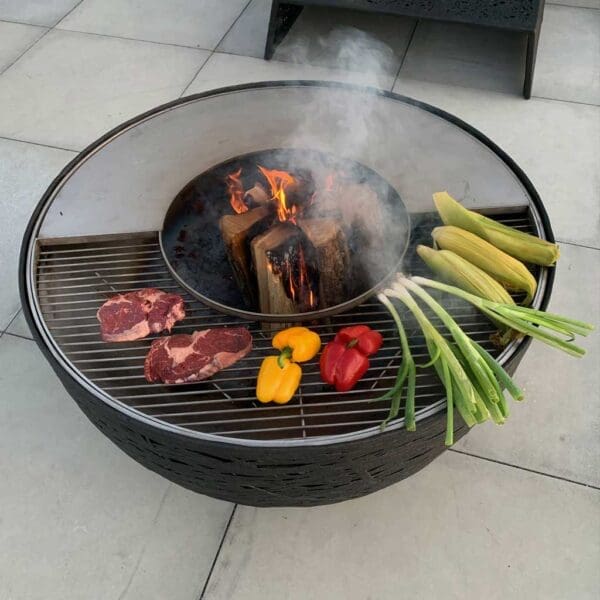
{"x":532,"y":43}
{"x":269,"y":49}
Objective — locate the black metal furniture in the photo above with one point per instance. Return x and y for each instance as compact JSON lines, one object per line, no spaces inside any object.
{"x":96,"y":230}
{"x":512,"y":15}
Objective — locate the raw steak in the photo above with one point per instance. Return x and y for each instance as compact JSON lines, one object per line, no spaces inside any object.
{"x":135,"y":315}
{"x":181,"y":358}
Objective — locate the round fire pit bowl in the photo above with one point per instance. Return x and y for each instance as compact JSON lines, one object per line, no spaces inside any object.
{"x":97,"y":232}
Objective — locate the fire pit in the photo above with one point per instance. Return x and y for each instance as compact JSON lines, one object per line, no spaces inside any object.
{"x":151,"y":204}
{"x":334,"y":231}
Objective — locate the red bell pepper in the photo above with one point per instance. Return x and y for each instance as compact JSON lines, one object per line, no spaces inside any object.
{"x":345,"y":359}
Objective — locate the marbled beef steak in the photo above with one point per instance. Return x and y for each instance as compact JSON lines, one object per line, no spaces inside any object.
{"x":182,"y":358}
{"x":132,"y":316}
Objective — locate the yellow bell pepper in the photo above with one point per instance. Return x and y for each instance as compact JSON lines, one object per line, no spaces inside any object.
{"x":303,"y":343}
{"x":279,"y":376}
{"x":278,"y":379}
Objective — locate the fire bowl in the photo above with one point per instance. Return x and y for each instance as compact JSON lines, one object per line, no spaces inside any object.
{"x":103,"y":227}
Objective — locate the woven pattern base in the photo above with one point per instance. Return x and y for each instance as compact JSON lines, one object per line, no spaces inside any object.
{"x":267,"y":476}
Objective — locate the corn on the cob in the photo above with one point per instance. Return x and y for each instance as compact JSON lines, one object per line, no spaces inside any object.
{"x":505,"y":269}
{"x":461,"y":273}
{"x":518,"y":244}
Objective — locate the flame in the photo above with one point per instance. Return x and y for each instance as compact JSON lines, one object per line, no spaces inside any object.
{"x":236,"y":192}
{"x":300,"y":284}
{"x":279,"y":181}
{"x":294,"y":274}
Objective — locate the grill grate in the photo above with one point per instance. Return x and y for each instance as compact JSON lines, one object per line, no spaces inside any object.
{"x":74,"y":277}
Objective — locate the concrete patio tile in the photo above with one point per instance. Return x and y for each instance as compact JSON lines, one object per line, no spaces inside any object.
{"x":557,"y":144}
{"x":16,"y":38}
{"x":196,"y":23}
{"x":79,"y":518}
{"x":192,"y":527}
{"x":555,"y":430}
{"x":227,"y":69}
{"x":568,"y":61}
{"x":580,"y":3}
{"x":346,"y":39}
{"x":25,"y":172}
{"x":477,"y":57}
{"x":18,"y":326}
{"x":36,"y":12}
{"x":249,"y":33}
{"x":463,"y":528}
{"x":88,"y":84}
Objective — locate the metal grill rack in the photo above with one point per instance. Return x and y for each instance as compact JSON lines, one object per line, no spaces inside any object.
{"x":75,"y":276}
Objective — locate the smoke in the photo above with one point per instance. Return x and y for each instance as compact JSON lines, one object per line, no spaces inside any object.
{"x":346,"y":128}
{"x":369,"y":60}
{"x":358,"y":58}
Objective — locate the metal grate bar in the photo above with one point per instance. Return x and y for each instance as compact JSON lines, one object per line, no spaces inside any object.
{"x":76,"y":277}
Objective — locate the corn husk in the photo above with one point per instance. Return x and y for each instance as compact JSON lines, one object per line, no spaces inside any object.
{"x":457,"y":271}
{"x":461,"y":273}
{"x":505,"y":269}
{"x":518,"y":244}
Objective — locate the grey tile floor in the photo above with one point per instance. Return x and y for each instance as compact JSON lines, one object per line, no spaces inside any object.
{"x":510,"y":513}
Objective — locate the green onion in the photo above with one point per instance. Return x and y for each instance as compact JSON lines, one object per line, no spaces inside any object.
{"x":459,"y":389}
{"x":503,"y":377}
{"x":449,"y":405}
{"x":529,"y":321}
{"x":473,"y":379}
{"x":482,"y":372}
{"x":407,"y":369}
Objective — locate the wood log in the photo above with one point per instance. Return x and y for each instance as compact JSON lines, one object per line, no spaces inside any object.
{"x":332,"y":257}
{"x":256,"y":196}
{"x":272,"y":295}
{"x":321,"y":244}
{"x":237,"y":232}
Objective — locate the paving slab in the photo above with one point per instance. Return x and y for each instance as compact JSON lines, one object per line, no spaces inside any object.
{"x":89,"y":84}
{"x":347,"y":39}
{"x":248,"y":35}
{"x":25,"y":172}
{"x":555,"y":430}
{"x":195,"y":23}
{"x":578,"y":3}
{"x":568,"y":60}
{"x":16,"y":39}
{"x":227,"y":69}
{"x":36,"y":12}
{"x":18,"y":326}
{"x":80,"y":519}
{"x":466,"y":55}
{"x":462,"y":528}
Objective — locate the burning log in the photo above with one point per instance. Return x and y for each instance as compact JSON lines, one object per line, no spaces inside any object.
{"x":238,"y":231}
{"x":256,"y":196}
{"x":286,"y":272}
{"x":332,"y":256}
{"x":284,"y":263}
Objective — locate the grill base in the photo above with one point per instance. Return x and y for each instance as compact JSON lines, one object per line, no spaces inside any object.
{"x":278,"y":476}
{"x":333,"y":449}
{"x":285,"y":475}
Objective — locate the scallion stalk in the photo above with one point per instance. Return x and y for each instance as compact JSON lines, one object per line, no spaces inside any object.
{"x":529,"y":321}
{"x":407,"y":370}
{"x":478,"y":366}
